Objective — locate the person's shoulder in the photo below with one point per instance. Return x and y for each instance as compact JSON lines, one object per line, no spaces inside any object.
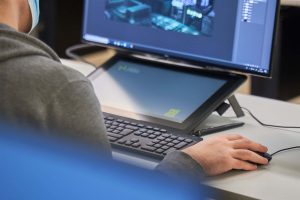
{"x":48,"y":71}
{"x":42,"y":77}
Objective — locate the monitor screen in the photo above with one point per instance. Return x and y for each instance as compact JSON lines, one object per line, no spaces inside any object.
{"x":234,"y":35}
{"x":161,"y":93}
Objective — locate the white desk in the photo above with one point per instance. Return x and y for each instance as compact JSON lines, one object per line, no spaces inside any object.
{"x":279,"y":180}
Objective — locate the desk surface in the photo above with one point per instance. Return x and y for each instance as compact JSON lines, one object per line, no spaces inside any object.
{"x":280,"y":179}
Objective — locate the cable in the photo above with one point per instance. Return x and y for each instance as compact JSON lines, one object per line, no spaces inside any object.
{"x":70,"y":50}
{"x":268,"y":125}
{"x":287,"y":149}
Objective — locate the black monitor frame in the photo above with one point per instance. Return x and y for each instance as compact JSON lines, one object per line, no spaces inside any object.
{"x":233,"y":82}
{"x":205,"y":64}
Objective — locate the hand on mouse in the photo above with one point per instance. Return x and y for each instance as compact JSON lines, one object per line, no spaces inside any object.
{"x":221,"y":154}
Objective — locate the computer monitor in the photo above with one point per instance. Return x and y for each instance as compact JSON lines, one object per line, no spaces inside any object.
{"x":230,"y":35}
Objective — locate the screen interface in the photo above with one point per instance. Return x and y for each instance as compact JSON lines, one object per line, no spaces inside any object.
{"x":232,"y":34}
{"x":160,"y":93}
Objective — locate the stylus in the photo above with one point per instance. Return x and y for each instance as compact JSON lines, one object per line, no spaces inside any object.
{"x":210,"y":130}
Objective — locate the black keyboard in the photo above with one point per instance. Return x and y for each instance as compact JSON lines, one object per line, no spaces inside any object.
{"x":144,"y":140}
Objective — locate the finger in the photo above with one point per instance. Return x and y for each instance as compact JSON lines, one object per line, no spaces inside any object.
{"x":250,"y":156}
{"x":232,"y":137}
{"x":243,"y":165}
{"x":248,"y":144}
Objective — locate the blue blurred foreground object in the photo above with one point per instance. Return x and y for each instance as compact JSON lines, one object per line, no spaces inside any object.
{"x":34,"y":167}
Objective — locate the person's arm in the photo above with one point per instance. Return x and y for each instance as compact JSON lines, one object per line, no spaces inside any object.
{"x":214,"y":156}
{"x":74,"y":111}
{"x":179,"y":164}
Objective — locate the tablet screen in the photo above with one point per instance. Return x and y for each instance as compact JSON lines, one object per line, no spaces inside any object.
{"x":155,"y":92}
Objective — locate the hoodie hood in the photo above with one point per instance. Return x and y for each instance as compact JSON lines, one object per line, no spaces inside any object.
{"x":14,"y":44}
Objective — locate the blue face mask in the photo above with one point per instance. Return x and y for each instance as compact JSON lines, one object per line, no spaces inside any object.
{"x":35,"y":12}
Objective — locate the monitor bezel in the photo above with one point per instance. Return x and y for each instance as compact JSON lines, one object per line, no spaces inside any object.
{"x":199,"y":63}
{"x":233,"y":82}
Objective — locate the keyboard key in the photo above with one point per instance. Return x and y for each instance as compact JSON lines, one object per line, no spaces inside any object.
{"x":188,"y":141}
{"x":150,"y":132}
{"x":115,"y":124}
{"x":109,"y":130}
{"x":150,"y":144}
{"x":180,"y":145}
{"x":116,"y":131}
{"x":133,"y":124}
{"x":143,"y":130}
{"x":122,"y":141}
{"x":108,"y":122}
{"x":152,"y":136}
{"x":110,"y":118}
{"x":163,"y":142}
{"x":166,"y":135}
{"x":114,"y":135}
{"x":163,"y":130}
{"x":169,"y":151}
{"x":157,"y":133}
{"x":156,"y":129}
{"x":181,"y":139}
{"x":141,"y":125}
{"x":135,"y":140}
{"x":120,"y":128}
{"x":126,"y":122}
{"x":122,"y":125}
{"x":156,"y":141}
{"x":113,"y":127}
{"x":160,"y":138}
{"x":168,"y":140}
{"x":160,"y":151}
{"x":126,"y":132}
{"x":128,"y":143}
{"x":148,"y":148}
{"x":131,"y":127}
{"x":165,"y":147}
{"x":138,"y":133}
{"x":136,"y":145}
{"x":149,"y":127}
{"x":157,"y":145}
{"x":171,"y":144}
{"x":173,"y":137}
{"x":145,"y":135}
{"x":120,"y":121}
{"x":112,"y":139}
{"x":176,"y":142}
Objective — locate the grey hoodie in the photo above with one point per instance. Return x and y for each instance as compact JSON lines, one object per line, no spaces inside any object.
{"x":36,"y":90}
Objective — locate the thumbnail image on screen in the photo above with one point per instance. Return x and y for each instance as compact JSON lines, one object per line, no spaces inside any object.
{"x":194,"y":17}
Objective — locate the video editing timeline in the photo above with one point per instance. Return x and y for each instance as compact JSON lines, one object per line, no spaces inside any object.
{"x":193,"y":17}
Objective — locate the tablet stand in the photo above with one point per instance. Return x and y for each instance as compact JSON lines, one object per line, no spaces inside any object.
{"x":233,"y":102}
{"x":215,"y":123}
{"x":236,"y":106}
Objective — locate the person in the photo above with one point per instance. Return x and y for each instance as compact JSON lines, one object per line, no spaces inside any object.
{"x":37,"y":90}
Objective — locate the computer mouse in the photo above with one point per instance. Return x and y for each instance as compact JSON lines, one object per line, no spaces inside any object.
{"x":265,"y":155}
